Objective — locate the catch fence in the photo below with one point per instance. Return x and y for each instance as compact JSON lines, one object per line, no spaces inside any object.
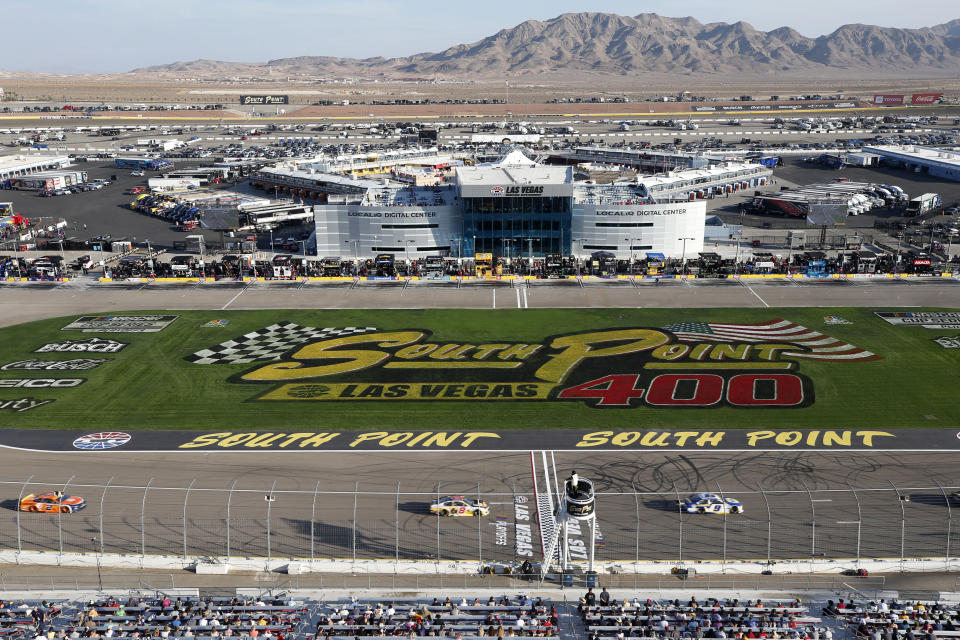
{"x":276,"y":522}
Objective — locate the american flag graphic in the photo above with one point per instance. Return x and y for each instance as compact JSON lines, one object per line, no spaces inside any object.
{"x":819,"y":346}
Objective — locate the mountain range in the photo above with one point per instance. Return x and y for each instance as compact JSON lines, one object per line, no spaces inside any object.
{"x":613,"y":44}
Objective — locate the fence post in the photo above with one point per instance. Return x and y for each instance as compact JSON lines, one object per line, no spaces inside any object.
{"x":229,"y":502}
{"x":269,"y":498}
{"x":479,"y":529}
{"x":813,"y":526}
{"x":102,"y":498}
{"x":723,"y":565}
{"x":143,"y":529}
{"x":680,"y":538}
{"x":63,"y":492}
{"x":903,"y":523}
{"x":946,"y":499}
{"x":313,"y":520}
{"x":438,"y":530}
{"x":19,"y":501}
{"x":766,"y":503}
{"x":185,"y":498}
{"x":636,"y":501}
{"x":396,"y":530}
{"x":859,"y":520}
{"x":356,"y":491}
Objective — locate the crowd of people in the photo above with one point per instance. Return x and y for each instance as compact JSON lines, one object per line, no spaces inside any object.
{"x":894,"y":620}
{"x":604,"y":616}
{"x":186,"y":618}
{"x":495,"y":617}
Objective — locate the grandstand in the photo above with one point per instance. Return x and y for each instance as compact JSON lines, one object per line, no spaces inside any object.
{"x":293,"y":616}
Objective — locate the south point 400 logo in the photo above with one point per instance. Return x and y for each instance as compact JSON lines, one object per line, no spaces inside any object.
{"x":685,"y":365}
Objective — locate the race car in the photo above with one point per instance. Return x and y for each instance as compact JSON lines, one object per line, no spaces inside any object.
{"x":456,"y":506}
{"x":710,"y":503}
{"x":52,"y":502}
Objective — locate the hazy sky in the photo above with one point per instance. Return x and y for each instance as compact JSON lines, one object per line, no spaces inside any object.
{"x":78,"y":36}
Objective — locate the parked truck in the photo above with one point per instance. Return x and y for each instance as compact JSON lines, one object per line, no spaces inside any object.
{"x":923,"y":203}
{"x":152,"y":164}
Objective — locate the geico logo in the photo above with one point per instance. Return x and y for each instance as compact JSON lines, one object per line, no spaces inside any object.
{"x":40,"y":383}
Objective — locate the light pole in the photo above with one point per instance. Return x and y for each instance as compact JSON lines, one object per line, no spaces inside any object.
{"x":406,"y":248}
{"x":683,"y":257}
{"x":271,"y":242}
{"x":356,"y":249}
{"x":896,"y":258}
{"x":103,"y":263}
{"x":149,"y":256}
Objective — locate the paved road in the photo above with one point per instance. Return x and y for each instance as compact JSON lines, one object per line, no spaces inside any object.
{"x":317,"y":512}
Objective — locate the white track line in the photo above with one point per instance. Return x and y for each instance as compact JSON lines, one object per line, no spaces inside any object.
{"x":762,"y":301}
{"x":230,"y":301}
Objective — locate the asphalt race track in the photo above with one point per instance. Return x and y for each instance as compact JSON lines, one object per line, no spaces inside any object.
{"x":24,"y":303}
{"x":394,"y":524}
{"x":797,"y":505}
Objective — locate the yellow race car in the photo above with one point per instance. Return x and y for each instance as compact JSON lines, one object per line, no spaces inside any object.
{"x":455,"y":506}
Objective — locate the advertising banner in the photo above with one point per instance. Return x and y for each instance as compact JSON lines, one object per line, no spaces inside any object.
{"x":925,"y":98}
{"x":264,"y":100}
{"x":887,"y":100}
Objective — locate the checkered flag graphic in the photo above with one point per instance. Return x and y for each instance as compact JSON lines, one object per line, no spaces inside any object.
{"x":269,"y":343}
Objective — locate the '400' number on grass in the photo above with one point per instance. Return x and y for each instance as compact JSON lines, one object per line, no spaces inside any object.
{"x":692,"y":390}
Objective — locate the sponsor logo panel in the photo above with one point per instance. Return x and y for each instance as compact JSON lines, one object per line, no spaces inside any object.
{"x":77,"y":364}
{"x":265,"y":100}
{"x":40,"y":383}
{"x":925,"y":319}
{"x":888,"y":99}
{"x":120,"y":324}
{"x":102,"y":440}
{"x":22,"y":404}
{"x":925,"y":98}
{"x":948,"y":342}
{"x":91,"y":345}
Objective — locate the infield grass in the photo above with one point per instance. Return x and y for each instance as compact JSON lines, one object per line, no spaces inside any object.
{"x":150,"y":384}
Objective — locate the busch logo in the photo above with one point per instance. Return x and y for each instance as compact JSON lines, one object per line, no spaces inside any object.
{"x":93,"y":345}
{"x":77,"y":364}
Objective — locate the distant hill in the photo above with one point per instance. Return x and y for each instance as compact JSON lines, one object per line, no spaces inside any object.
{"x":614,"y":44}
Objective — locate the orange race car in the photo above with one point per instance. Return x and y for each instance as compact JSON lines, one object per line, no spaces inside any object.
{"x":52,"y":502}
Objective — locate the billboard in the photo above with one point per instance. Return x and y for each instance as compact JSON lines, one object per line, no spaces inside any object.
{"x":829,"y":213}
{"x":887,"y":99}
{"x":264,"y":100}
{"x":925,"y":98}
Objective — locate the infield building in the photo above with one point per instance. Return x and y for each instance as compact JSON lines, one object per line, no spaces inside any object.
{"x":514,"y":207}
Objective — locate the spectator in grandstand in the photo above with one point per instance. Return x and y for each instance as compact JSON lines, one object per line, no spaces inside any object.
{"x":604,"y":597}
